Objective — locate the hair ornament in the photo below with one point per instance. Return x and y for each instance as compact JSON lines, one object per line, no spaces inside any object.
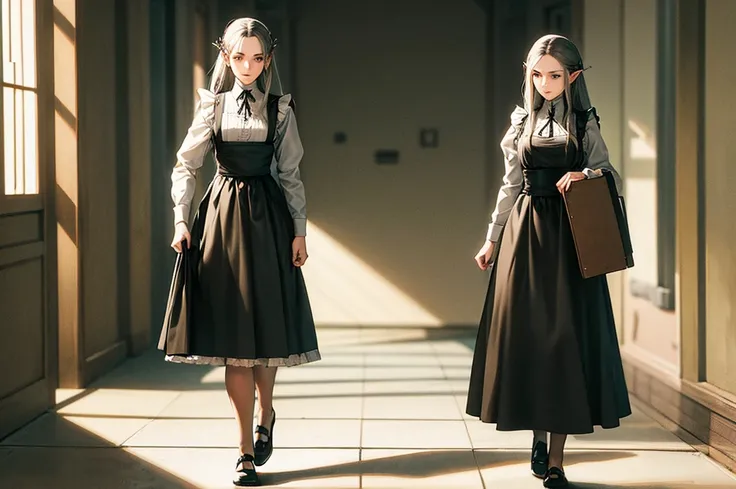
{"x":219,"y":44}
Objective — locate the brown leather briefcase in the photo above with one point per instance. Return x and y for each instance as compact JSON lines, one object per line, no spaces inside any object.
{"x":599,"y":226}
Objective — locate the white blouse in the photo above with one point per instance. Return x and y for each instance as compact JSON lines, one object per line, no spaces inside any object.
{"x":595,"y":148}
{"x":288,"y":150}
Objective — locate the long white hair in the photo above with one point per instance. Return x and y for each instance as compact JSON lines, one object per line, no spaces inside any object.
{"x":222,"y":78}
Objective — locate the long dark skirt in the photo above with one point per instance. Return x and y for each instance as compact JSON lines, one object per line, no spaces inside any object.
{"x":236,"y":298}
{"x":546,"y":357}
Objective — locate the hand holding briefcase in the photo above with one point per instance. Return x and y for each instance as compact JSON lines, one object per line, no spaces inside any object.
{"x":599,"y":226}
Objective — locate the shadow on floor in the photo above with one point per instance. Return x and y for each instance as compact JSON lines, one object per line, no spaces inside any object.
{"x":429,"y":464}
{"x":86,"y":461}
{"x":649,"y":485}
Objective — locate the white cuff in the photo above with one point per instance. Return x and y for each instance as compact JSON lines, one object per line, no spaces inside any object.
{"x":494,"y":232}
{"x":300,"y":227}
{"x":181,"y":213}
{"x":590,"y":173}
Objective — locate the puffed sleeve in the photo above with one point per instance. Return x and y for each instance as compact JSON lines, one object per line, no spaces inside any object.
{"x":288,"y":155}
{"x":512,"y":178}
{"x":595,"y":148}
{"x":191,"y":154}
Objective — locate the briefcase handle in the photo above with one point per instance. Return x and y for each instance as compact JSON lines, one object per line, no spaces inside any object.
{"x":621,"y":219}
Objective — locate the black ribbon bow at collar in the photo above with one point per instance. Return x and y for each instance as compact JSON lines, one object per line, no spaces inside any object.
{"x":244,"y":98}
{"x":550,"y":122}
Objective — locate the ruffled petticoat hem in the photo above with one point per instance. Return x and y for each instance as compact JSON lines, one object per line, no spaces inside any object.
{"x":290,"y":361}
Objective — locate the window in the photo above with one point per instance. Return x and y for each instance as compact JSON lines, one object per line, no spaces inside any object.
{"x":19,"y":98}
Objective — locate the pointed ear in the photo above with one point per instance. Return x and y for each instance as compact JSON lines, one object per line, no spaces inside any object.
{"x":574,"y":75}
{"x":269,"y":58}
{"x":225,"y":57}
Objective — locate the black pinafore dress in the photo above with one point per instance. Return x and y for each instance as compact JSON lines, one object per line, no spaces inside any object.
{"x":546,"y":356}
{"x":235,"y":297}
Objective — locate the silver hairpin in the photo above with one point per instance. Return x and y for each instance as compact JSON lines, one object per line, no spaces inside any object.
{"x":219,"y":44}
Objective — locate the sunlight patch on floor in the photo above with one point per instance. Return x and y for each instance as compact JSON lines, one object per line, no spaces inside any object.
{"x":344,"y":290}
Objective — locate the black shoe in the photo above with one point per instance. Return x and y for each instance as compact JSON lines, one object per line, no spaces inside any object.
{"x":264,"y":449}
{"x":555,"y":478}
{"x":540,"y":460}
{"x":244,"y":476}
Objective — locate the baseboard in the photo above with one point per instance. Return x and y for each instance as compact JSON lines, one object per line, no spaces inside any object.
{"x":671,"y":426}
{"x":140,"y":342}
{"x":715,"y":399}
{"x":694,"y":412}
{"x":104,"y":361}
{"x":24,"y":406}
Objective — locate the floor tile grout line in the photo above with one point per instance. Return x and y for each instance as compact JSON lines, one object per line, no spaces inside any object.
{"x":353,"y":447}
{"x":470,"y":437}
{"x":71,"y":447}
{"x":477,"y":466}
{"x":287,"y":418}
{"x":590,"y":449}
{"x":229,"y":447}
{"x":152,"y":419}
{"x":364,"y":362}
{"x":454,"y":394}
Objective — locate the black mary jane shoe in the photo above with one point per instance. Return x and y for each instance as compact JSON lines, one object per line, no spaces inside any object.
{"x":245,"y":477}
{"x":264,"y":449}
{"x":540,"y":460}
{"x":555,"y":478}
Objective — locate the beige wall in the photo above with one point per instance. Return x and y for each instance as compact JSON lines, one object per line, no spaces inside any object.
{"x":650,"y":332}
{"x":98,"y":243}
{"x":619,"y":42}
{"x":66,"y":188}
{"x":720,"y":198}
{"x":639,"y":132}
{"x":139,"y":182}
{"x":92,"y":338}
{"x":393,"y":242}
{"x":602,"y":37}
{"x":106,"y":178}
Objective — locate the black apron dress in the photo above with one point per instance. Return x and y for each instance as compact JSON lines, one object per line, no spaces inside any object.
{"x":547,"y":356}
{"x":235,"y":297}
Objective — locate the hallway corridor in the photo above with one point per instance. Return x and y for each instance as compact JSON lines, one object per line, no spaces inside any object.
{"x":383,"y":409}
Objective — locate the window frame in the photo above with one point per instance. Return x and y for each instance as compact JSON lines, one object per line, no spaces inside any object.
{"x":21,"y":200}
{"x":666,"y":151}
{"x":662,"y":294}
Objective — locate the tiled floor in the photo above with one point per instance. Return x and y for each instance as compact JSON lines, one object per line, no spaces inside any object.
{"x":383,"y":409}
